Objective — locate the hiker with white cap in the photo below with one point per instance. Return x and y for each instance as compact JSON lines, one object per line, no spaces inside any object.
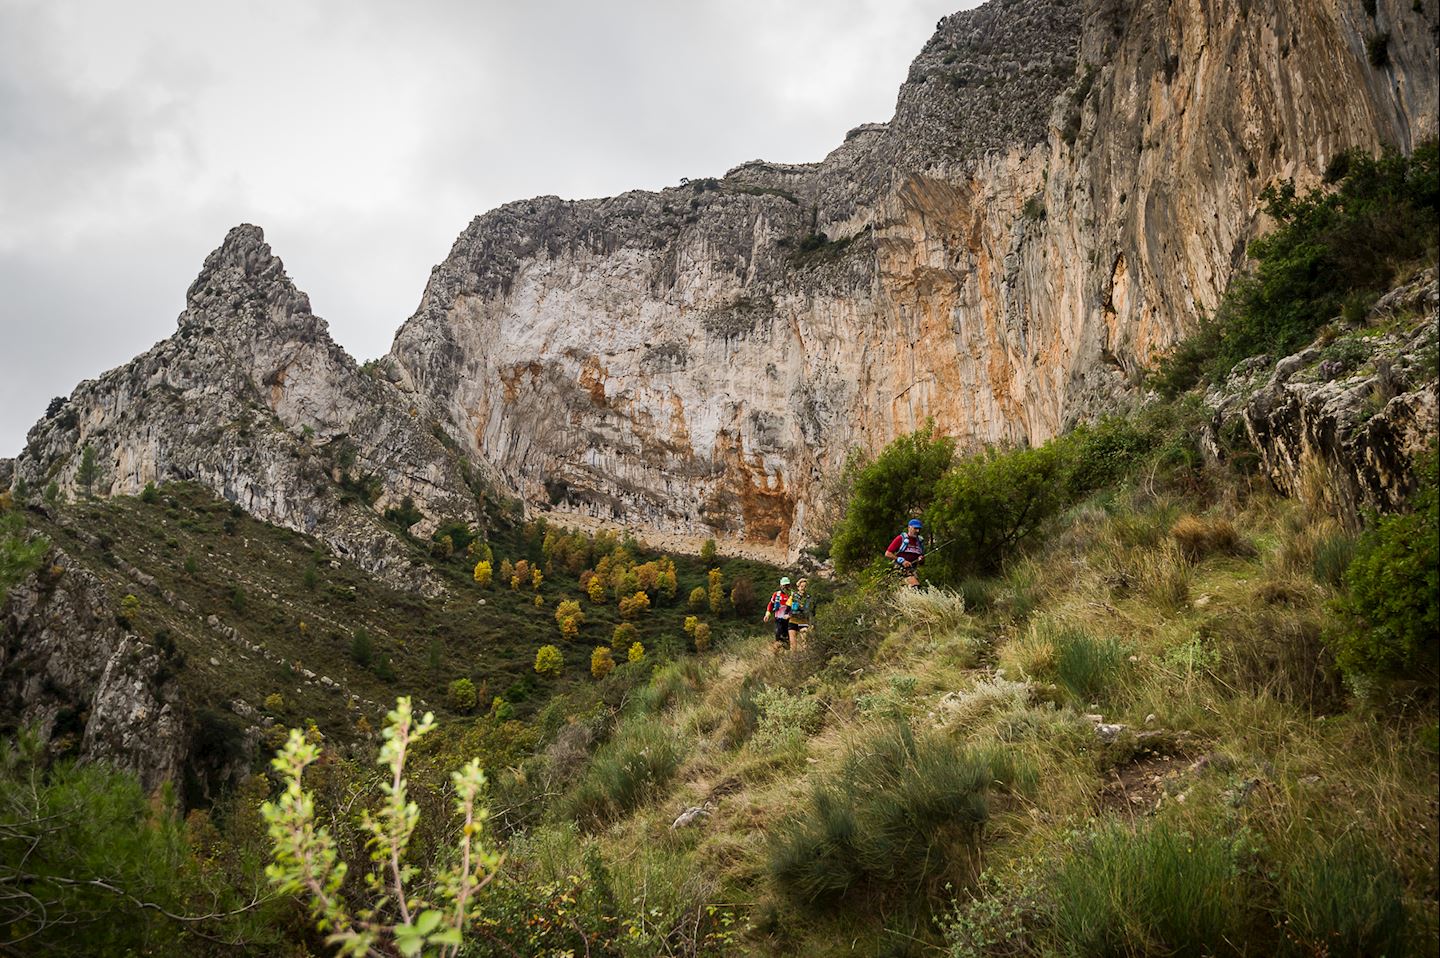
{"x":779,"y":607}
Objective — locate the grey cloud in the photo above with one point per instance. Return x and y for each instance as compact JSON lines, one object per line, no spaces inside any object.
{"x":364,"y":135}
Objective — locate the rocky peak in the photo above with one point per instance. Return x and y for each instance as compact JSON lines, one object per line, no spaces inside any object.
{"x":252,"y":398}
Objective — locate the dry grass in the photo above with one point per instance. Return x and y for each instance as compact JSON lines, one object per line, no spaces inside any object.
{"x":1198,"y":538}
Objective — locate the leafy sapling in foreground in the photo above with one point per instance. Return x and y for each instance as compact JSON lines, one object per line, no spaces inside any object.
{"x":403,"y":915}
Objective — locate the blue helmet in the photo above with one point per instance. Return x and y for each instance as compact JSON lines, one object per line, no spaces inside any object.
{"x":915,"y":524}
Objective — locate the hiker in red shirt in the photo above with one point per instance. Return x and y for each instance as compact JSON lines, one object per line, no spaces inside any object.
{"x":907,"y":552}
{"x":779,"y":607}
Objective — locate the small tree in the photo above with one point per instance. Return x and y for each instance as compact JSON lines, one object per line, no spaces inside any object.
{"x":632,"y":606}
{"x":88,"y":472}
{"x":149,"y":495}
{"x":602,"y":662}
{"x":624,"y":634}
{"x":702,"y":637}
{"x":536,"y":578}
{"x":707,"y":552}
{"x":274,"y":703}
{"x":698,"y":598}
{"x":462,"y":695}
{"x":520,"y":575}
{"x":507,"y":570}
{"x":716,"y":591}
{"x":742,"y":596}
{"x":362,"y":650}
{"x":483,"y":573}
{"x":691,"y":622}
{"x":549,"y":662}
{"x":636,"y":653}
{"x":595,"y":588}
{"x":405,"y":916}
{"x":569,"y":617}
{"x":668,"y":581}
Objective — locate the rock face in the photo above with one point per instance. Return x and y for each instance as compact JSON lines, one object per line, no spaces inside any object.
{"x":253,"y":398}
{"x":1062,"y":188}
{"x":1340,"y":424}
{"x":69,"y":668}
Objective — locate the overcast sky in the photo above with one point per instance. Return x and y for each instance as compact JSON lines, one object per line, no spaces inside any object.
{"x":363,"y":135}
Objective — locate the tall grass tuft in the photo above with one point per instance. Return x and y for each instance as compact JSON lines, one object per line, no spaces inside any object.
{"x":1333,"y":553}
{"x":904,"y":816}
{"x":1165,"y":579}
{"x":937,"y":609}
{"x":1199,"y":538}
{"x":1087,"y":666}
{"x":1158,"y":891}
{"x":637,"y":763}
{"x":1343,"y":900}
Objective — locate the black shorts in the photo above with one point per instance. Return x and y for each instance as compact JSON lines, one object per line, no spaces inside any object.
{"x":782,"y":630}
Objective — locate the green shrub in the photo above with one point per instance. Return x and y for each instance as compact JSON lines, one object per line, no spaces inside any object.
{"x":362,"y":649}
{"x":979,"y":593}
{"x":549,"y":662}
{"x":1343,"y":900}
{"x":461,"y":695}
{"x":633,"y":766}
{"x":784,"y":716}
{"x":1102,"y":454}
{"x":149,"y":495}
{"x":1155,"y":891}
{"x":1328,"y":246}
{"x":667,"y":686}
{"x":18,"y":556}
{"x":987,"y":506}
{"x":896,"y":487}
{"x":904,"y":816}
{"x":1388,"y":620}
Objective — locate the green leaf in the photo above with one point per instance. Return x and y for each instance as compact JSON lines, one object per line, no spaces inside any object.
{"x":427,"y":921}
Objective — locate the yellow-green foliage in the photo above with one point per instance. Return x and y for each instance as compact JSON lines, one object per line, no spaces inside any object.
{"x":716,"y":591}
{"x":521,"y":574}
{"x":691,"y":622}
{"x":274,"y":703}
{"x":623,"y":636}
{"x":462,"y":695}
{"x":483,"y":573}
{"x":569,"y":617}
{"x":636,"y":653}
{"x":702,"y":636}
{"x":633,"y":606}
{"x":698,"y":598}
{"x":549,"y":662}
{"x":602,"y":662}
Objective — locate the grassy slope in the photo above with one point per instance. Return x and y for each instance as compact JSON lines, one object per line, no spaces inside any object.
{"x":201,"y":551}
{"x":1249,"y":740}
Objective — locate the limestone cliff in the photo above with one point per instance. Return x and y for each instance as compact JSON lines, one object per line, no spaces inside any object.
{"x":252,"y":398}
{"x":1063,"y":187}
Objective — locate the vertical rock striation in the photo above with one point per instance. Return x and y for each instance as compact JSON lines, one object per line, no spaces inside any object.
{"x":1062,"y":189}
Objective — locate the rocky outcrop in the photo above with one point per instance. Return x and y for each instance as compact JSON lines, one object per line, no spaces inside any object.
{"x":252,"y":398}
{"x":70,"y":669}
{"x":1341,"y":423}
{"x":1062,"y":189}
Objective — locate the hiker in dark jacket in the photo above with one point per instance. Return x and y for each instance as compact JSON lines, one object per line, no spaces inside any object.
{"x":907,"y":552}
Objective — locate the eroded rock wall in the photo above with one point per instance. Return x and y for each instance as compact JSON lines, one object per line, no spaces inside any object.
{"x":1063,"y":188}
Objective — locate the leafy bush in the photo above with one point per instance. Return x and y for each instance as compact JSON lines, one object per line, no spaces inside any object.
{"x":1102,"y":454}
{"x":699,"y":598}
{"x":483,"y":574}
{"x":742,"y":596}
{"x":602,"y":662}
{"x":569,"y":617}
{"x":988,"y":505}
{"x":716,"y":591}
{"x":461,"y":695}
{"x":362,"y":649}
{"x":904,"y":816}
{"x":632,"y":606}
{"x":784,"y":716}
{"x":624,"y":635}
{"x":707,"y":552}
{"x":897,"y":486}
{"x":636,"y":652}
{"x":702,"y":637}
{"x":1388,"y":619}
{"x":549,"y":662}
{"x":1327,"y":247}
{"x":1153,"y":891}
